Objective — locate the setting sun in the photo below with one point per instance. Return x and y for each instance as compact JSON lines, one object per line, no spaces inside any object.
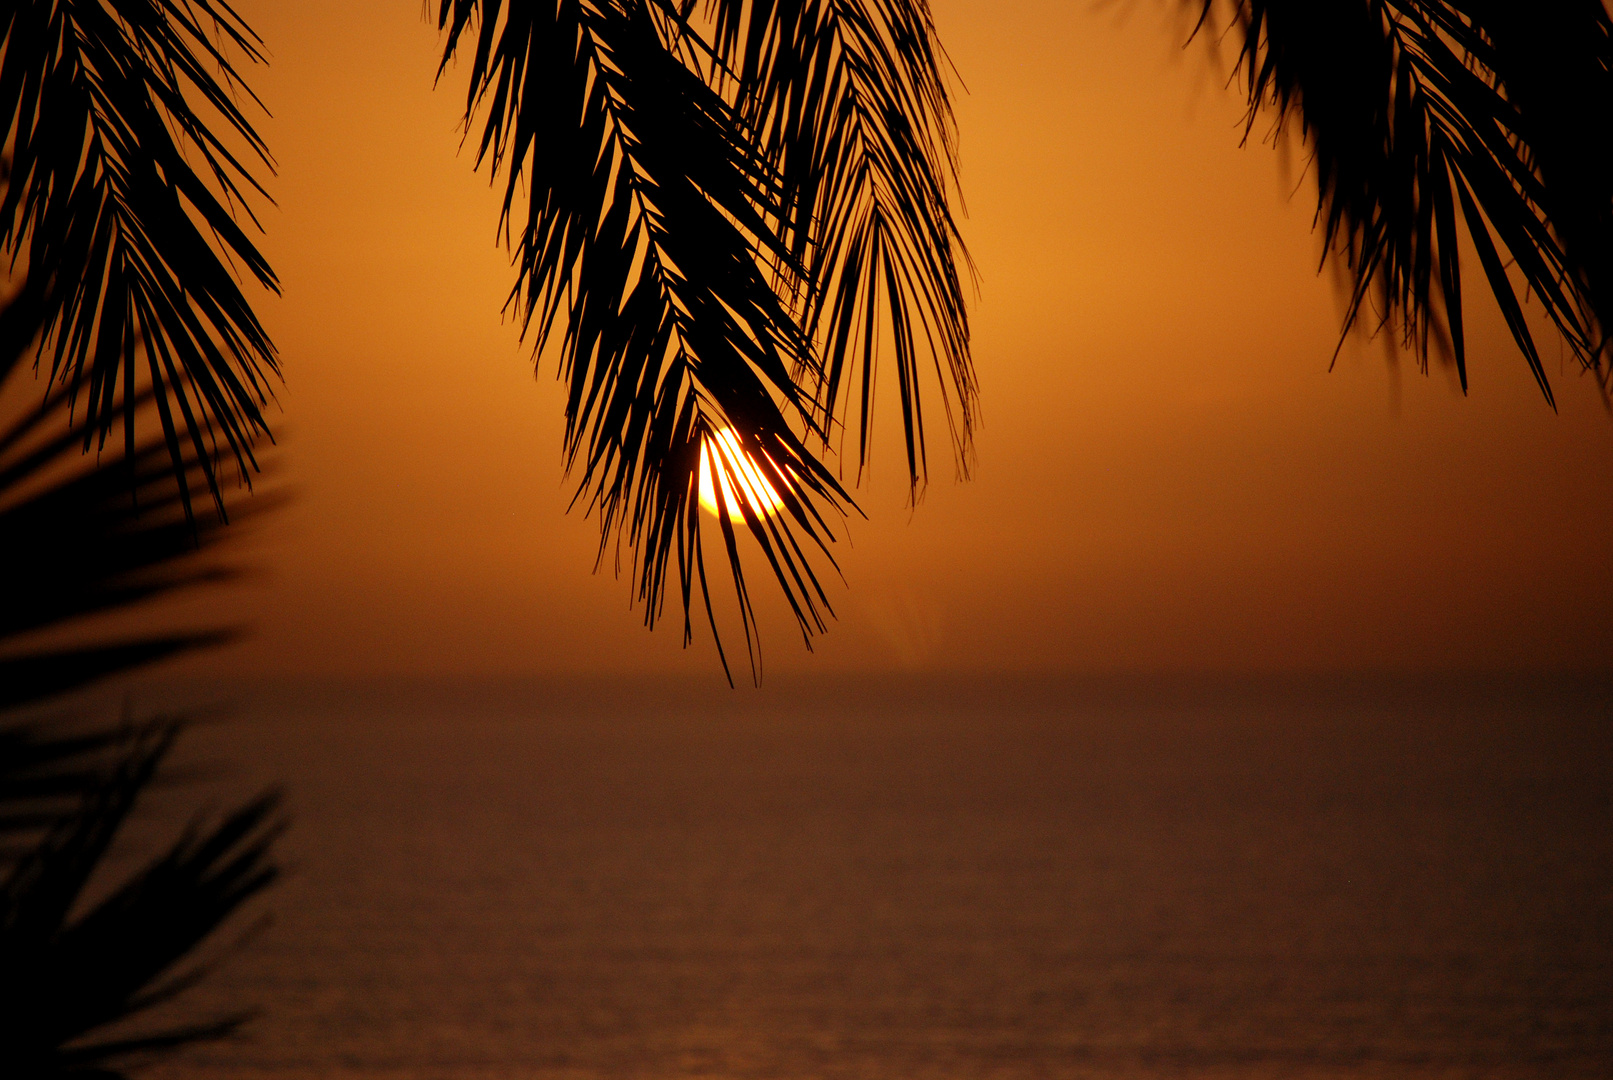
{"x":734,"y":466}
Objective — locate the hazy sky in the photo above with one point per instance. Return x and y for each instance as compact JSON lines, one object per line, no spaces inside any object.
{"x":1168,"y":475}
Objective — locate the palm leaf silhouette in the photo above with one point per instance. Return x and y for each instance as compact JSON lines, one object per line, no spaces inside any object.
{"x":79,"y":537}
{"x":847,"y":100}
{"x":719,"y":215}
{"x":1428,"y":120}
{"x":70,"y":975}
{"x":120,"y":215}
{"x":80,"y":541}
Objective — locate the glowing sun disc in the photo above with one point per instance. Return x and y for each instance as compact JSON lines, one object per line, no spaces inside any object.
{"x":722,"y":456}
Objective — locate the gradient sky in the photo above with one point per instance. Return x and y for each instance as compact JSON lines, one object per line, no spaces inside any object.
{"x":1169,"y":477}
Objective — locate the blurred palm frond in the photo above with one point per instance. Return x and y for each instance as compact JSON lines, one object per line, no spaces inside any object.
{"x":69,"y":975}
{"x":1427,"y":120}
{"x":44,"y":773}
{"x":80,"y":537}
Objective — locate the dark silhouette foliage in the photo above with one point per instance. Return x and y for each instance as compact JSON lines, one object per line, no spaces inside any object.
{"x":728,"y":215}
{"x":79,"y":969}
{"x":119,"y":219}
{"x":71,"y":980}
{"x":1431,"y":120}
{"x":729,"y":208}
{"x":117,"y":222}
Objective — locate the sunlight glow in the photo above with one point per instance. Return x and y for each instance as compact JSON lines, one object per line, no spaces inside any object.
{"x":738,"y":475}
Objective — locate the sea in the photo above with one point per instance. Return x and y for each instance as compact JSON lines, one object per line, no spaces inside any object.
{"x":914,"y":878}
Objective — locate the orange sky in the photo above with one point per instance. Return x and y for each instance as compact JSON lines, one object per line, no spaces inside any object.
{"x":1169,"y":477}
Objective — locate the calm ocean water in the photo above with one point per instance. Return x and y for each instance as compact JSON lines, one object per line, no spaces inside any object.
{"x":899,"y":882}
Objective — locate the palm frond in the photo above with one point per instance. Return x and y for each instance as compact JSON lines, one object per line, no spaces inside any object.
{"x":695,"y":243}
{"x":650,"y":225}
{"x":44,"y":773}
{"x":1428,"y":120}
{"x":80,"y":536}
{"x":78,"y":539}
{"x":120,"y":215}
{"x":69,"y":976}
{"x":848,"y":100}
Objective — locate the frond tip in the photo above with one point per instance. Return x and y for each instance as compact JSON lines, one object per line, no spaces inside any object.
{"x":1431,"y":120}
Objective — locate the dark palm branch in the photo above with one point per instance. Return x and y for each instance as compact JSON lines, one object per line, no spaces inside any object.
{"x":1430,"y":120}
{"x":119,"y":217}
{"x":79,"y":537}
{"x":44,"y":774}
{"x":697,"y":215}
{"x":848,"y":102}
{"x":68,"y":976}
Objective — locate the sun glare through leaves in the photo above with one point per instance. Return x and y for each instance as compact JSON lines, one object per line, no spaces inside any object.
{"x":724,"y":462}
